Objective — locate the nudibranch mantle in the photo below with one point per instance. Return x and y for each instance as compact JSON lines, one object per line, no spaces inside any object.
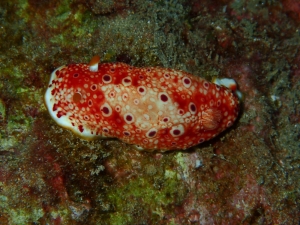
{"x":151,"y":108}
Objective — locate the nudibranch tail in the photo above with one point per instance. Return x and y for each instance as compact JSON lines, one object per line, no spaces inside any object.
{"x":150,"y":108}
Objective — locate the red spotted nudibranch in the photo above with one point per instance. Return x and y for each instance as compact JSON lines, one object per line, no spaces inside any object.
{"x":151,"y":108}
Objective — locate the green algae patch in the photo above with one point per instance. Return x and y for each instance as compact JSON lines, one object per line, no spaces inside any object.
{"x":22,"y":6}
{"x":2,"y":110}
{"x":18,"y":215}
{"x":180,"y":159}
{"x":145,"y":197}
{"x":23,"y":217}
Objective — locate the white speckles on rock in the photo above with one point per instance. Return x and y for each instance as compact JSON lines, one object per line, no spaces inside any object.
{"x":198,"y":163}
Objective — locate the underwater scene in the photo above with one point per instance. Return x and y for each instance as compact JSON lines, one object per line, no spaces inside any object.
{"x":141,"y":112}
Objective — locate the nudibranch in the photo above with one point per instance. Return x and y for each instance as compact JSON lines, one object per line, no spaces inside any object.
{"x":151,"y":108}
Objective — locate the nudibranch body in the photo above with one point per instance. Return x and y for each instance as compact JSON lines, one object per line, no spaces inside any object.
{"x":151,"y":108}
